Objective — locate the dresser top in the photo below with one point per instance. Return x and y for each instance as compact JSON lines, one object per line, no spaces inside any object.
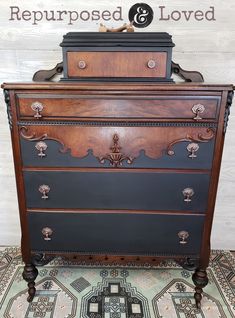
{"x":118,"y":86}
{"x":78,"y":39}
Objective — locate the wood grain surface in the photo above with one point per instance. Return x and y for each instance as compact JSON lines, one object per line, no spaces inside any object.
{"x":206,"y":46}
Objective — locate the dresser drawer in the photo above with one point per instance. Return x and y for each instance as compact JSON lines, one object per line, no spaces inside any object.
{"x":74,"y":107}
{"x":139,"y":146}
{"x":120,"y":189}
{"x":116,"y":233}
{"x":117,"y":64}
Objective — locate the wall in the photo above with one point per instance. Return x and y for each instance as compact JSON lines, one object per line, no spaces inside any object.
{"x":207,"y":46}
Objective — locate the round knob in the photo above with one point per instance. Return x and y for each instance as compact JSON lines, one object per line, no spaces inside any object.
{"x":151,"y":64}
{"x":82,"y":64}
{"x":188,"y":193}
{"x":183,"y":235}
{"x":47,"y":232}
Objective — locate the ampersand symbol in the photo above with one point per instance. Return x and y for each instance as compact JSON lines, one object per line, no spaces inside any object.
{"x":141,"y":15}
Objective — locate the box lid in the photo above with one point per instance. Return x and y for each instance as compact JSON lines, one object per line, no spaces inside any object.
{"x":78,"y":39}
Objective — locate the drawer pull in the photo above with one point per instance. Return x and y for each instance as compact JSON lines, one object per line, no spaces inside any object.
{"x":192,"y":148}
{"x":37,"y":107}
{"x":82,"y":64}
{"x":47,"y":232}
{"x":198,"y":109}
{"x":41,"y":147}
{"x":188,"y":193}
{"x":183,"y":235}
{"x":151,"y":64}
{"x":44,"y":189}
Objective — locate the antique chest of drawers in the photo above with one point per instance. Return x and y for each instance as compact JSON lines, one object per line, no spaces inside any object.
{"x":117,"y":172}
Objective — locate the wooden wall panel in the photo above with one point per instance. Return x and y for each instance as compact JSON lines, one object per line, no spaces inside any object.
{"x":205,"y":46}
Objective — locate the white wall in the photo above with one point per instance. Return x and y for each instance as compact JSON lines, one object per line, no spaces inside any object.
{"x":207,"y":46}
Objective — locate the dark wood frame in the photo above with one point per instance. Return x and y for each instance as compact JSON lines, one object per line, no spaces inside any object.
{"x":199,"y":277}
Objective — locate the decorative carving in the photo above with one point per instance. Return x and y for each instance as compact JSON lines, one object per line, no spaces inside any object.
{"x":187,"y":76}
{"x":115,"y":157}
{"x":116,"y":124}
{"x":227,"y":110}
{"x":183,"y":235}
{"x":33,"y":137}
{"x":200,"y":138}
{"x":200,"y":280}
{"x":41,"y":259}
{"x":48,"y":75}
{"x":188,"y":263}
{"x":8,"y":103}
{"x":128,"y":27}
{"x":29,"y":275}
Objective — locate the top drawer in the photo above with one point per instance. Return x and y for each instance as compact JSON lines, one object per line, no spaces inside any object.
{"x":74,"y":107}
{"x":117,"y":55}
{"x":117,"y":64}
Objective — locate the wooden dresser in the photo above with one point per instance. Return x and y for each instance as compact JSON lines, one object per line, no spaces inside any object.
{"x":117,"y":172}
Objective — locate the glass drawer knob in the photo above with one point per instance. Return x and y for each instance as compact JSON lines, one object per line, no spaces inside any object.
{"x":151,"y":64}
{"x":82,"y":64}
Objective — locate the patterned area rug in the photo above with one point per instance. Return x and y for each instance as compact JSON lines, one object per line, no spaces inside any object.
{"x":115,"y":292}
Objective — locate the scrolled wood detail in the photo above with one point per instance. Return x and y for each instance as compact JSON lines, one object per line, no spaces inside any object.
{"x":115,"y":157}
{"x":134,"y":140}
{"x":33,"y":137}
{"x":187,"y":76}
{"x":201,"y":138}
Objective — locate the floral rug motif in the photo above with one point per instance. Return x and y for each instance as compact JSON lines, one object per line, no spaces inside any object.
{"x":72,"y":290}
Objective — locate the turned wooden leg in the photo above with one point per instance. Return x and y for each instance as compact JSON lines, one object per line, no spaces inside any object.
{"x":200,"y":280}
{"x":29,"y":274}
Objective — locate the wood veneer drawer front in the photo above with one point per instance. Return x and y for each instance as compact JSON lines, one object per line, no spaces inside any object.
{"x":117,"y":64}
{"x":116,"y":233}
{"x":73,"y":107}
{"x":117,"y":190}
{"x":104,"y":146}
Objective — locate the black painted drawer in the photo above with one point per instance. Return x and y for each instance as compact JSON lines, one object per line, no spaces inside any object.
{"x":53,"y":157}
{"x":116,"y":233}
{"x":107,"y":189}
